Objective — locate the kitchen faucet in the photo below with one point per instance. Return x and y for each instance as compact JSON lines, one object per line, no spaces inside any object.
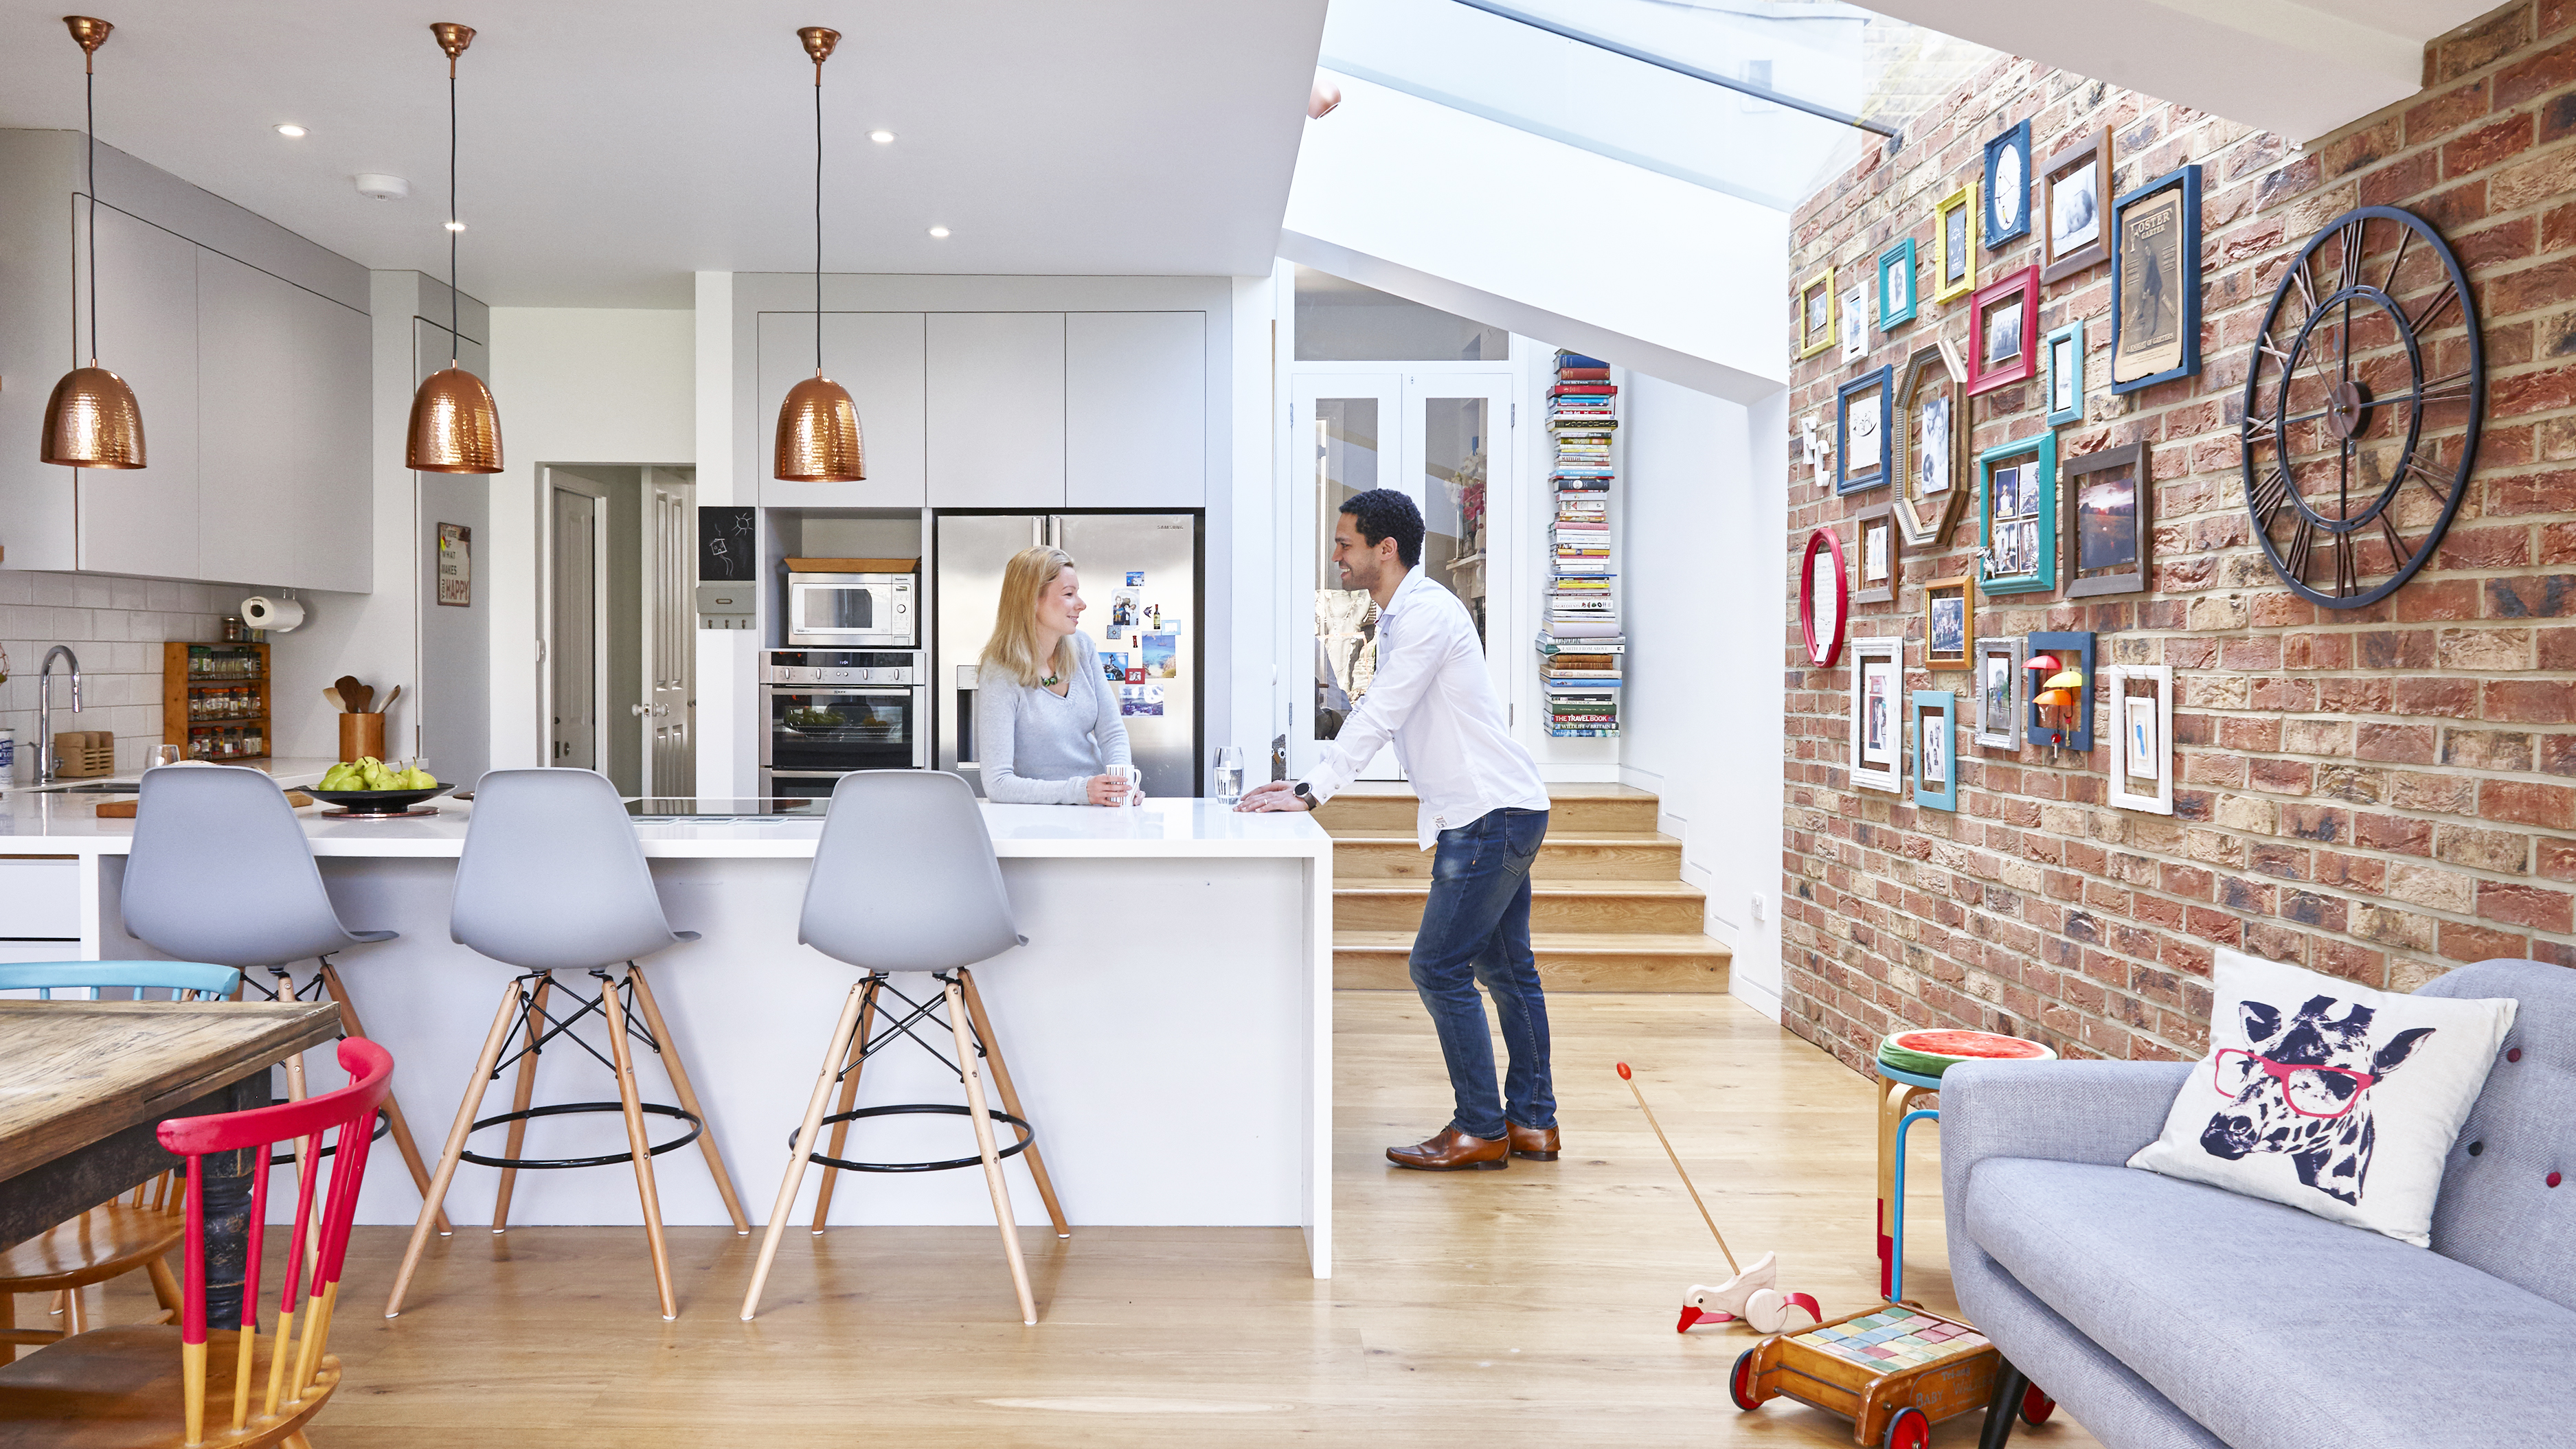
{"x":48,"y":763}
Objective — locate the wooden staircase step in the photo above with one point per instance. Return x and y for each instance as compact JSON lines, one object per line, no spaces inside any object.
{"x":1618,"y":907}
{"x":1567,"y":855}
{"x":1387,"y":808}
{"x":1568,"y":961}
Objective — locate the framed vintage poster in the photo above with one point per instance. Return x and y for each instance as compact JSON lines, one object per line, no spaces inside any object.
{"x":1954,"y":244}
{"x":456,"y":565}
{"x":1896,"y":285}
{"x":1880,"y":563}
{"x":1854,"y":323}
{"x":1949,"y":621}
{"x":2017,"y":515}
{"x":2003,"y":336}
{"x":2000,"y":693}
{"x":2155,"y":282}
{"x":1864,"y":457}
{"x":1816,"y":314}
{"x":2061,"y":356}
{"x":1878,"y":714}
{"x":2008,"y":187}
{"x":2109,"y":522}
{"x":1936,"y":749}
{"x":2058,"y":651}
{"x":2072,"y":186}
{"x":1931,"y":445}
{"x":2141,"y":698}
{"x":1824,"y":597}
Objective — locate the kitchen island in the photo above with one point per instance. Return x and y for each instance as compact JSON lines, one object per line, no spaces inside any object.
{"x":1168,"y":1025}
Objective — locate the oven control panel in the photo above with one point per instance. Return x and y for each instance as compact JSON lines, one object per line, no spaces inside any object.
{"x":841,"y":666}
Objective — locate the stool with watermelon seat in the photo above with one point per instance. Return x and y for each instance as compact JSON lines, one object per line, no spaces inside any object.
{"x":1910,"y":1064}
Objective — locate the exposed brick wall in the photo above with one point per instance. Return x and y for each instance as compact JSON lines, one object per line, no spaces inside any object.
{"x":2381,"y":793}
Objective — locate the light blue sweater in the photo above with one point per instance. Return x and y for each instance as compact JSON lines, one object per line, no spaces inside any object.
{"x":1037,"y":748}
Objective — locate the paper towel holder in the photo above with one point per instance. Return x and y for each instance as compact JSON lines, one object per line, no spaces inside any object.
{"x":283,"y":615}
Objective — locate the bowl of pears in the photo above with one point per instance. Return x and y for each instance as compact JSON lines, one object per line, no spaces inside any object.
{"x":369,"y":789}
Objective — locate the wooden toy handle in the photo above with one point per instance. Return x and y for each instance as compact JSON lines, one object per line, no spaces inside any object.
{"x":1677,"y":1167}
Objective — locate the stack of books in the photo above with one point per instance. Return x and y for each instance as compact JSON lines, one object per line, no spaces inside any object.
{"x":1581,"y":652}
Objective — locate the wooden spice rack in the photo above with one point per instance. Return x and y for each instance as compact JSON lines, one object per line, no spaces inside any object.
{"x":215,"y":700}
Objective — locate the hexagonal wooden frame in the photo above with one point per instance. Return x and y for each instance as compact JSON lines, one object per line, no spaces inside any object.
{"x":1927,"y":526}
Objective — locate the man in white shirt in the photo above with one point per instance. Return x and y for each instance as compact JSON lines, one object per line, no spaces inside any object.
{"x":1485,"y":808}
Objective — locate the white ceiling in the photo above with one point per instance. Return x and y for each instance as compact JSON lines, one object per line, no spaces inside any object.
{"x":611,"y":147}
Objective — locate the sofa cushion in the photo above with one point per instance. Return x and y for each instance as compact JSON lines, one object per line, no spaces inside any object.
{"x":2274,"y":1328}
{"x":2508,"y":1202}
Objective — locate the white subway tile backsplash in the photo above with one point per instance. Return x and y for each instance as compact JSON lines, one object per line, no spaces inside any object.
{"x":116,"y":625}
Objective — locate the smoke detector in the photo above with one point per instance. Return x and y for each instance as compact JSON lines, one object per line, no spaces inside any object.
{"x":381,"y":186}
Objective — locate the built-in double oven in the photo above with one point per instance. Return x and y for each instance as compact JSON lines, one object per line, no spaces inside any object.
{"x":831,"y":711}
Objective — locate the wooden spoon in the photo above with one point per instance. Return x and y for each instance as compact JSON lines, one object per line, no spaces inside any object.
{"x":331,"y":693}
{"x":348,"y":686}
{"x":389,"y":700}
{"x":366,"y":699}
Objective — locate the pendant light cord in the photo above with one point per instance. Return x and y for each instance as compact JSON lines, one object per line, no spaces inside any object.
{"x":818,"y":218}
{"x":455,"y":337}
{"x":89,"y":123}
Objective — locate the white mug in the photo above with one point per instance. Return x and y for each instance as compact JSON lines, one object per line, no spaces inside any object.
{"x":1135,"y":779}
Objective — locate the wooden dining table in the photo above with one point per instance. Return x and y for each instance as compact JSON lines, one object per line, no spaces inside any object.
{"x":83,"y":1085}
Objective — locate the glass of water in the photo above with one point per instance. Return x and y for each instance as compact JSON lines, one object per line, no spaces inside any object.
{"x":163,"y":755}
{"x":1229,"y":773}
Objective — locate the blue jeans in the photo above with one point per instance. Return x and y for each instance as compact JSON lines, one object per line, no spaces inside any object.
{"x":1475,"y":927}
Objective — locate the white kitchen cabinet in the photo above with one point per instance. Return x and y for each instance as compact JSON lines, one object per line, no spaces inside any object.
{"x":283,"y":486}
{"x":1135,"y":409}
{"x":878,"y":356}
{"x":40,"y":901}
{"x":996,"y":409}
{"x":144,"y":520}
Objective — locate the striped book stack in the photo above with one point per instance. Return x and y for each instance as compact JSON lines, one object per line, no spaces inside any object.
{"x":1581,"y":652}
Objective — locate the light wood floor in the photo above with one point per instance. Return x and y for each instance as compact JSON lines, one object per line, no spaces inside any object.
{"x":1530,"y":1306}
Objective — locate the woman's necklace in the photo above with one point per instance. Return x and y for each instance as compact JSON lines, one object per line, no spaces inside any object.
{"x":1050,"y":681}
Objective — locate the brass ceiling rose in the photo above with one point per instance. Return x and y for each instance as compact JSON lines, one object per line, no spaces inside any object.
{"x":92,"y":419}
{"x":454,"y":426}
{"x":89,"y":30}
{"x":818,"y":423}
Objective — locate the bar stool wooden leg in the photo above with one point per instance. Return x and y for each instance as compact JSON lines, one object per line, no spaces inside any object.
{"x":639,"y":1145}
{"x":849,"y":1098}
{"x":76,"y":1314}
{"x":1010,"y":1099}
{"x":799,"y":1150}
{"x":977,"y":1112}
{"x":393,"y":1110}
{"x":519,"y":1100}
{"x":689,"y":1099}
{"x":455,"y":1149}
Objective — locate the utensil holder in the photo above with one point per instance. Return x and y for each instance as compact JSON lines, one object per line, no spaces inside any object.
{"x":361,"y":735}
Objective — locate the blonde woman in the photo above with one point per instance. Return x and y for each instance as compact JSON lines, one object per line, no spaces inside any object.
{"x":1046,"y":722}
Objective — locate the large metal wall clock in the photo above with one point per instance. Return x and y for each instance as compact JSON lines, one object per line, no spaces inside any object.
{"x":2363,"y":401}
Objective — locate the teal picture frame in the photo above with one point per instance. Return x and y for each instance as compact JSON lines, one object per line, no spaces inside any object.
{"x":2061,"y":356}
{"x":1898,"y":292}
{"x":1936,"y":748}
{"x":2017,"y":526}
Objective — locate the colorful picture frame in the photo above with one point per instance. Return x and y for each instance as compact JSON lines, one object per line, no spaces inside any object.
{"x":1878,"y":708}
{"x":1823,"y":609}
{"x":1936,"y":748}
{"x":1931,"y":442}
{"x":2110,"y":522}
{"x":1954,"y":249}
{"x":1878,"y":556}
{"x":1864,"y":447}
{"x":2155,"y":282}
{"x":2141,"y":698}
{"x":1815,"y":320}
{"x":2017,"y":516}
{"x":2003,"y":332}
{"x":1896,"y":291}
{"x":2061,"y":360}
{"x":2007,"y":181}
{"x":1854,"y":324}
{"x":2073,"y":648}
{"x":2074,"y":215}
{"x":1949,"y":622}
{"x":2001,"y":693}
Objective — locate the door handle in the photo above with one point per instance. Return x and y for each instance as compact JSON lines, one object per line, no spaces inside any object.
{"x":638,"y":710}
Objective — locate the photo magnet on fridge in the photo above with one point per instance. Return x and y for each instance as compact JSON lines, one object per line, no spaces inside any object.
{"x":1126,"y":609}
{"x":1161,"y":661}
{"x":1140,"y":699}
{"x":1135,"y":578}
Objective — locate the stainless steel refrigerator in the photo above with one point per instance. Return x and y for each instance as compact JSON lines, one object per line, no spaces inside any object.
{"x":1141,"y":580}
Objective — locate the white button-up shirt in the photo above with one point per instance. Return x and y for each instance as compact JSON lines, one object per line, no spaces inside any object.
{"x":1433,"y":699}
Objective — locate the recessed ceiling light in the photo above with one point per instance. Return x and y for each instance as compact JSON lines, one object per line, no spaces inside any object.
{"x":939,"y":231}
{"x":881,"y":137}
{"x":290,"y":130}
{"x":456,"y":226}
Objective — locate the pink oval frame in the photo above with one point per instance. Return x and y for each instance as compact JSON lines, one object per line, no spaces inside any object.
{"x":1823,"y":657}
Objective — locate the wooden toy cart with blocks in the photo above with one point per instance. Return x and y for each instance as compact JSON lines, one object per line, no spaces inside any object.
{"x":1893,"y":1371}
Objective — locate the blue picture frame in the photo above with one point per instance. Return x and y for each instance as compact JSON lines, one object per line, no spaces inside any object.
{"x":1877,"y":467}
{"x":2017,"y":527}
{"x":2186,"y":180}
{"x":1897,"y":305}
{"x":2007,"y":180}
{"x":1936,"y":718}
{"x":2062,"y":643}
{"x":2061,"y":355}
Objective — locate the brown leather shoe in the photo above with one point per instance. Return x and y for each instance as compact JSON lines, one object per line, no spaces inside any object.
{"x":1535,"y":1143}
{"x":1454,"y":1151}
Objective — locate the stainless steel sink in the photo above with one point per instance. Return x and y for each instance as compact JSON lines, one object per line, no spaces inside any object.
{"x":126,"y":788}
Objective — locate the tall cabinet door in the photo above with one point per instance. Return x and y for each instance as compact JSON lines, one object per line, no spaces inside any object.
{"x":284,"y":494}
{"x":996,"y":409}
{"x":143,"y":521}
{"x":878,"y":357}
{"x":1135,"y":409}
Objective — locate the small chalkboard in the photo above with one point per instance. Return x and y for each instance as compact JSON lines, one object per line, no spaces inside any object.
{"x":728,"y":545}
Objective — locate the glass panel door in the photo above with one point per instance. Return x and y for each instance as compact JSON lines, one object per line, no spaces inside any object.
{"x":1344,"y":439}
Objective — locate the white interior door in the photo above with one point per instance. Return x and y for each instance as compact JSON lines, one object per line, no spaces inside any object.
{"x":670,"y":646}
{"x":576,"y":605}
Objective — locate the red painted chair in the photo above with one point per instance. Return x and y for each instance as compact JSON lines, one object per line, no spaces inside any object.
{"x":118,"y":1385}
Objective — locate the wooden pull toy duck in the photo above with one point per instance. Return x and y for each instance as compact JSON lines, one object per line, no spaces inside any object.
{"x":1752,"y":1296}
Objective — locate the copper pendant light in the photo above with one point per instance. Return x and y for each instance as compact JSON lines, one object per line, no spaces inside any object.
{"x":92,"y":420}
{"x":818,"y":424}
{"x":454,"y":426}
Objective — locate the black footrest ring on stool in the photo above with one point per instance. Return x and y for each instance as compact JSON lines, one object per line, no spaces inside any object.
{"x":1027,"y":1134}
{"x":560,"y":1109}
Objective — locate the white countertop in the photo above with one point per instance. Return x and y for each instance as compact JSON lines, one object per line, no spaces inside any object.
{"x":286,"y":770}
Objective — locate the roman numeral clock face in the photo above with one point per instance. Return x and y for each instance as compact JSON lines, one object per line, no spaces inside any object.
{"x":2362,"y":408}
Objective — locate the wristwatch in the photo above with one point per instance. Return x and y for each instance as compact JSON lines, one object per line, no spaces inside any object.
{"x":1306,"y":795}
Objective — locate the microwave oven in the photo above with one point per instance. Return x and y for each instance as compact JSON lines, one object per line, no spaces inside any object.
{"x":852,"y":611}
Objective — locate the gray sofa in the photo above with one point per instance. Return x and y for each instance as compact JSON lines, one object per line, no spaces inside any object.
{"x":2162,"y":1312}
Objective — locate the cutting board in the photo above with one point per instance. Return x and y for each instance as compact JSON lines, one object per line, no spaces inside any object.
{"x":124,"y":809}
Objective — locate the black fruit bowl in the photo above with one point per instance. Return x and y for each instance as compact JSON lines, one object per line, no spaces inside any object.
{"x":374,"y":802}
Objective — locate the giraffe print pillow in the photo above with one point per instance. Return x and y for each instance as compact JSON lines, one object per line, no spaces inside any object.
{"x":2329,"y":1096}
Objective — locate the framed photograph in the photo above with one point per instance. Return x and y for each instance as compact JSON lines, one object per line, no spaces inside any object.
{"x":1896,"y":285}
{"x":1931,"y":446}
{"x":1936,"y":755}
{"x":2061,"y":356}
{"x":2109,"y":522}
{"x":1854,"y":324}
{"x":2142,"y":707}
{"x":1949,"y":622}
{"x":2072,"y":187}
{"x":2008,"y":187}
{"x":1824,"y":597}
{"x":2001,"y":692}
{"x":2003,"y":345}
{"x":1864,"y":455}
{"x":1880,"y":563}
{"x":1954,"y":246}
{"x":2017,"y":516}
{"x":1816,"y":314}
{"x":2052,"y":652}
{"x":2155,"y":282}
{"x":1877,"y":714}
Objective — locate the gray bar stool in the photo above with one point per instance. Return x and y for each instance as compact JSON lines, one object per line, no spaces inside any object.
{"x":936,"y":904}
{"x":220,"y":871}
{"x":553,"y":879}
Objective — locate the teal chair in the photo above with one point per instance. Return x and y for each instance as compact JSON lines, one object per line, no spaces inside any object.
{"x":114,"y":1239}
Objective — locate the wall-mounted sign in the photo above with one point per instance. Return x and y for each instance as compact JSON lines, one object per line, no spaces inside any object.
{"x":456,"y":565}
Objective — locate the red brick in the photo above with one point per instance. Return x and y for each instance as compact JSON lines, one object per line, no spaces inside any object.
{"x":2515,"y":904}
{"x":2396,"y":834}
{"x":2550,"y":70}
{"x":2558,"y":859}
{"x":2476,"y":150}
{"x":2552,"y":807}
{"x":2530,"y":701}
{"x":2397,"y":744}
{"x":2478,"y":943}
